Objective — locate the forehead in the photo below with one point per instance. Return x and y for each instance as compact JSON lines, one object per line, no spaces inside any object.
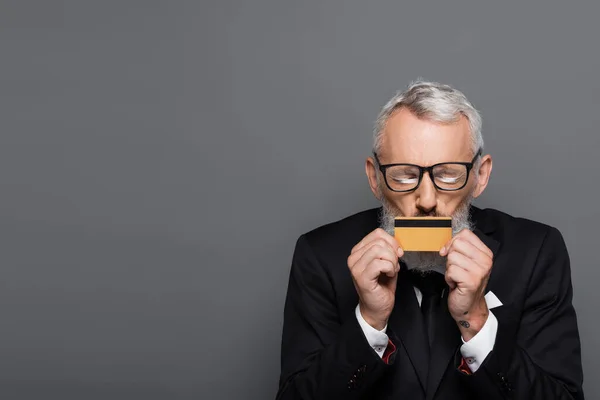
{"x":408,"y":138}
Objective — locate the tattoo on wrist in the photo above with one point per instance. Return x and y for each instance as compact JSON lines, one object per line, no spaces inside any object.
{"x":464,"y":324}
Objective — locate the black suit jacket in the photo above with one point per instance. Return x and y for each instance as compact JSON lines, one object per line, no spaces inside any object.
{"x":325,"y":355}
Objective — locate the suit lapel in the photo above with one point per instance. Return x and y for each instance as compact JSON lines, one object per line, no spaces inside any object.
{"x":489,"y":241}
{"x":446,"y":342}
{"x":483,"y":227}
{"x":407,"y":322}
{"x":448,"y":339}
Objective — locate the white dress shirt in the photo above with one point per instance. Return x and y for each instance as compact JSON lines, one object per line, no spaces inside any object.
{"x":474,"y":351}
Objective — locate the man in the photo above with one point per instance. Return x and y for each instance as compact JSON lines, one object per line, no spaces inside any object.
{"x":488,"y":317}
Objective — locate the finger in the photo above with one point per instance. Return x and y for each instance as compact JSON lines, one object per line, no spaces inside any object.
{"x":456,"y":276}
{"x":464,"y":262}
{"x":471,"y":275}
{"x":475,"y":241}
{"x":382,"y":241}
{"x":379,"y":267}
{"x":376,"y":234}
{"x":446,"y":248}
{"x":376,"y":251}
{"x":355,"y":257}
{"x":461,"y":245}
{"x":367,"y":239}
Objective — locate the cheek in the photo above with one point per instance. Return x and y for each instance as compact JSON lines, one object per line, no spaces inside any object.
{"x":473,"y":187}
{"x":405,"y":203}
{"x":448,"y":203}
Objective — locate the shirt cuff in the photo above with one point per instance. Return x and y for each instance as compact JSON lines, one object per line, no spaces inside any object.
{"x":377,"y":339}
{"x":477,"y":349}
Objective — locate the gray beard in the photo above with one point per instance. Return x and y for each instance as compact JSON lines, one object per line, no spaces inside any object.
{"x":426,"y":261}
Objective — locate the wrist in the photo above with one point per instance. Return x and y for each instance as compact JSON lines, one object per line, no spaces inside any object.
{"x":377,"y":322}
{"x":471,"y":322}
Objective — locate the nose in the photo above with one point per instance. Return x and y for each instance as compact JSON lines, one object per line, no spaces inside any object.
{"x":426,"y":195}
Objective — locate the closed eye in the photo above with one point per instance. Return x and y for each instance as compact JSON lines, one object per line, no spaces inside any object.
{"x":448,"y":179}
{"x":405,"y":180}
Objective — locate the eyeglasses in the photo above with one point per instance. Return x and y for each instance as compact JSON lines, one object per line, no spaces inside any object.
{"x":447,"y":176}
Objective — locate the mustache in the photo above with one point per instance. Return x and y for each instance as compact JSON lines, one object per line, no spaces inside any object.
{"x":430,"y":214}
{"x":392,"y":211}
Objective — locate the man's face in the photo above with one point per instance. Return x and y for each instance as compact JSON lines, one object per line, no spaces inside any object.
{"x":408,"y":139}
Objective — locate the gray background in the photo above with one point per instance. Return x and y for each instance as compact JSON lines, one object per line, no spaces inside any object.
{"x":158,"y":161}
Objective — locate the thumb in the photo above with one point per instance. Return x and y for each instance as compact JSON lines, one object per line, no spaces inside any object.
{"x":392,"y":282}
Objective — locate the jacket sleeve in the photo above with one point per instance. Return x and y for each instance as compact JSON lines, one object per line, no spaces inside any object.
{"x":321,"y":356}
{"x":541,"y":358}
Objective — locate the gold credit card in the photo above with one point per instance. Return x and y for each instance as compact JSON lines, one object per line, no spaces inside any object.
{"x":422,"y":233}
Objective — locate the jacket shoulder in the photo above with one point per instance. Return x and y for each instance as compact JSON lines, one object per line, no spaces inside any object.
{"x":510,"y":226}
{"x":342,"y":235}
{"x":361,"y":222}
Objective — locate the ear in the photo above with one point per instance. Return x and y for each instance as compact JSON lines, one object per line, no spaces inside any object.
{"x":372,"y":171}
{"x":485,"y":170}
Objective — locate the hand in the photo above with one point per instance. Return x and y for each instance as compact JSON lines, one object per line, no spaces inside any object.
{"x":374,"y":267}
{"x":468,"y":269}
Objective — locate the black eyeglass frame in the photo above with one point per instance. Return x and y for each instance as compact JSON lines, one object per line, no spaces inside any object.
{"x":422,"y":170}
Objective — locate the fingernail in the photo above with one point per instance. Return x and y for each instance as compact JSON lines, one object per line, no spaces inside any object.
{"x":443,"y":250}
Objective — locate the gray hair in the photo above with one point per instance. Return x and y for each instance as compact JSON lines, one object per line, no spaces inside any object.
{"x":432,"y":101}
